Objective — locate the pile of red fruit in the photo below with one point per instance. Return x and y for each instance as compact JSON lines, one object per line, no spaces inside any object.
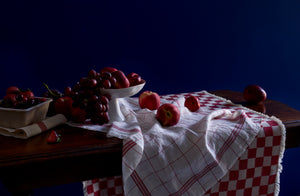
{"x":19,"y":99}
{"x":84,"y":99}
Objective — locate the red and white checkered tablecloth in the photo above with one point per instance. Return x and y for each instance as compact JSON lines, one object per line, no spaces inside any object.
{"x":238,"y":153}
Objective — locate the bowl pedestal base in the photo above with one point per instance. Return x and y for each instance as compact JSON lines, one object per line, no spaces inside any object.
{"x":114,"y":112}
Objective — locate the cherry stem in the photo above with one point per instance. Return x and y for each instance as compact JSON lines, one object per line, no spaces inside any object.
{"x":50,"y":91}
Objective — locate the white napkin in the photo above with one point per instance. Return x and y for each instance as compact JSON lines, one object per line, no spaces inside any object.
{"x":35,"y":128}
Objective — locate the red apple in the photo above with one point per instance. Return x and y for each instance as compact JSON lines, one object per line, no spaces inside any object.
{"x":254,"y":94}
{"x":107,"y":69}
{"x":149,"y":99}
{"x":92,"y":73}
{"x":134,"y":79}
{"x":168,"y":114}
{"x":106,"y":83}
{"x":121,"y":80}
{"x":63,"y":106}
{"x":192,"y":103}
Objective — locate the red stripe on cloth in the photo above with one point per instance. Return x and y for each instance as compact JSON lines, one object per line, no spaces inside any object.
{"x":140,"y":184}
{"x":231,"y":138}
{"x":42,"y":126}
{"x":194,"y":179}
{"x":127,"y":165}
{"x":212,"y":165}
{"x":90,"y":189}
{"x":129,"y":145}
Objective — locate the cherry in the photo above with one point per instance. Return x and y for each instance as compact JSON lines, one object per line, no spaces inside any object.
{"x":92,"y":83}
{"x":104,"y":100}
{"x":92,"y":74}
{"x":106,"y":84}
{"x":112,"y":81}
{"x":76,"y":87}
{"x":106,"y":75}
{"x":86,"y":95}
{"x":93,"y":99}
{"x":83,"y":82}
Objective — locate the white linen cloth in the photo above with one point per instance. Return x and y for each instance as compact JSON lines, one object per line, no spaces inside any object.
{"x":35,"y":128}
{"x":186,"y":159}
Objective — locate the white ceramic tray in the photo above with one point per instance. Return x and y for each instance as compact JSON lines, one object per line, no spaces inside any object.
{"x":16,"y":118}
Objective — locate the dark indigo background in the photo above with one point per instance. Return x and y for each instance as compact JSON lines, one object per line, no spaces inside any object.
{"x":176,"y":46}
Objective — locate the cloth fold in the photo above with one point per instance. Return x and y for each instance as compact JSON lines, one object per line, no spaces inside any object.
{"x":34,"y":129}
{"x":186,"y":159}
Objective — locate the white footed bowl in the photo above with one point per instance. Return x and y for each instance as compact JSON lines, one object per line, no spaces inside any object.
{"x":114,"y":111}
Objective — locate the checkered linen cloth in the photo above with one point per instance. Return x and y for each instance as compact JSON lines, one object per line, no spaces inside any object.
{"x":222,"y":149}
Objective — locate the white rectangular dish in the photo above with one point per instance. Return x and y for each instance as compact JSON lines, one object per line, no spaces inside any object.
{"x":16,"y":118}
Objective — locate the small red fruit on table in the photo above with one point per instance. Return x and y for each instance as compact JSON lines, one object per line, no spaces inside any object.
{"x":192,"y":103}
{"x":254,"y":94}
{"x":149,"y":99}
{"x":168,"y":114}
{"x":53,"y":137}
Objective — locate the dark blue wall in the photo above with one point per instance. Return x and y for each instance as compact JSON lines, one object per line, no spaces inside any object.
{"x":177,"y":46}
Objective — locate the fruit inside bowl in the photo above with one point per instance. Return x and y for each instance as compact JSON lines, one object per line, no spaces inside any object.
{"x":19,"y":108}
{"x":89,"y":98}
{"x":16,"y":117}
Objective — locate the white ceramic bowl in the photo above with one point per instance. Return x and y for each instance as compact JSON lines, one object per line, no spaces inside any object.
{"x":123,"y":92}
{"x":16,"y":118}
{"x":114,"y":111}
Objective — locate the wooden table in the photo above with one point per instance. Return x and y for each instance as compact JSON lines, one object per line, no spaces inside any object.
{"x":82,"y":155}
{"x":288,"y":115}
